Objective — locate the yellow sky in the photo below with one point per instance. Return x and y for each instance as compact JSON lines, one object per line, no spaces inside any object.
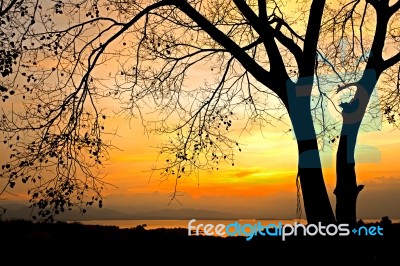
{"x":263,"y":175}
{"x":262,"y":181}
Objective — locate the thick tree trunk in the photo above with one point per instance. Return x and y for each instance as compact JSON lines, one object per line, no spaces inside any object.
{"x":346,"y":190}
{"x":315,"y":197}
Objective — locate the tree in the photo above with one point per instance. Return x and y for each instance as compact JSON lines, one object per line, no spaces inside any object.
{"x":351,"y":23}
{"x":266,"y":58}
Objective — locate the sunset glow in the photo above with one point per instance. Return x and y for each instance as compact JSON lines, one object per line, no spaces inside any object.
{"x":142,"y":114}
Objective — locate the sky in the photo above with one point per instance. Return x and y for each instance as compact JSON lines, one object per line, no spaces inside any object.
{"x":262,"y":183}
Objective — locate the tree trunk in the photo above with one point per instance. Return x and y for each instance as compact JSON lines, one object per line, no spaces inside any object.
{"x":346,"y":190}
{"x":315,"y":197}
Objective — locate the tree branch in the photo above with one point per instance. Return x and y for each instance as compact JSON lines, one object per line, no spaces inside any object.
{"x":96,"y":53}
{"x":382,"y":18}
{"x":289,"y":44}
{"x":266,"y":32}
{"x":374,"y":3}
{"x":254,"y":68}
{"x":391,"y":61}
{"x":306,"y":68}
{"x":262,"y":10}
{"x":5,"y":10}
{"x":394,"y":8}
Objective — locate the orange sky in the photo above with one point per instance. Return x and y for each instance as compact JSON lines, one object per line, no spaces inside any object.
{"x":262,"y":182}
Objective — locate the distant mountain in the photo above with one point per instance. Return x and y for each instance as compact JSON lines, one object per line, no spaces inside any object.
{"x":93,"y":214}
{"x":185,"y":214}
{"x":17,"y":211}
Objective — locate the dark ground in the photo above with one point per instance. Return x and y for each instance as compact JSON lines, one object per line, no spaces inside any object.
{"x":76,"y":244}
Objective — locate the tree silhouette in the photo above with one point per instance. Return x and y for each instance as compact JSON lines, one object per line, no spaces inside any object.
{"x":267,"y":60}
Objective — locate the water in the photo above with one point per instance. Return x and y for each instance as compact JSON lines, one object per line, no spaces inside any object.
{"x":198,"y":227}
{"x":155,"y":224}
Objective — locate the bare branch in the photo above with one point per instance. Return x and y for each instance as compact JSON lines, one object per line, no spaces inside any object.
{"x":7,"y":8}
{"x":266,"y":34}
{"x":306,"y":68}
{"x":255,"y":69}
{"x":391,"y":61}
{"x":394,"y":8}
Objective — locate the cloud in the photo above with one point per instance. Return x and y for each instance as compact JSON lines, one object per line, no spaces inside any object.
{"x":379,"y":198}
{"x":246,"y":173}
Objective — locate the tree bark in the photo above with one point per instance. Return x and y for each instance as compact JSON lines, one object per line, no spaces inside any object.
{"x":315,"y":197}
{"x":346,"y":190}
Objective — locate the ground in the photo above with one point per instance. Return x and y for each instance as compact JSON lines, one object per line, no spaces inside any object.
{"x":74,"y":242}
